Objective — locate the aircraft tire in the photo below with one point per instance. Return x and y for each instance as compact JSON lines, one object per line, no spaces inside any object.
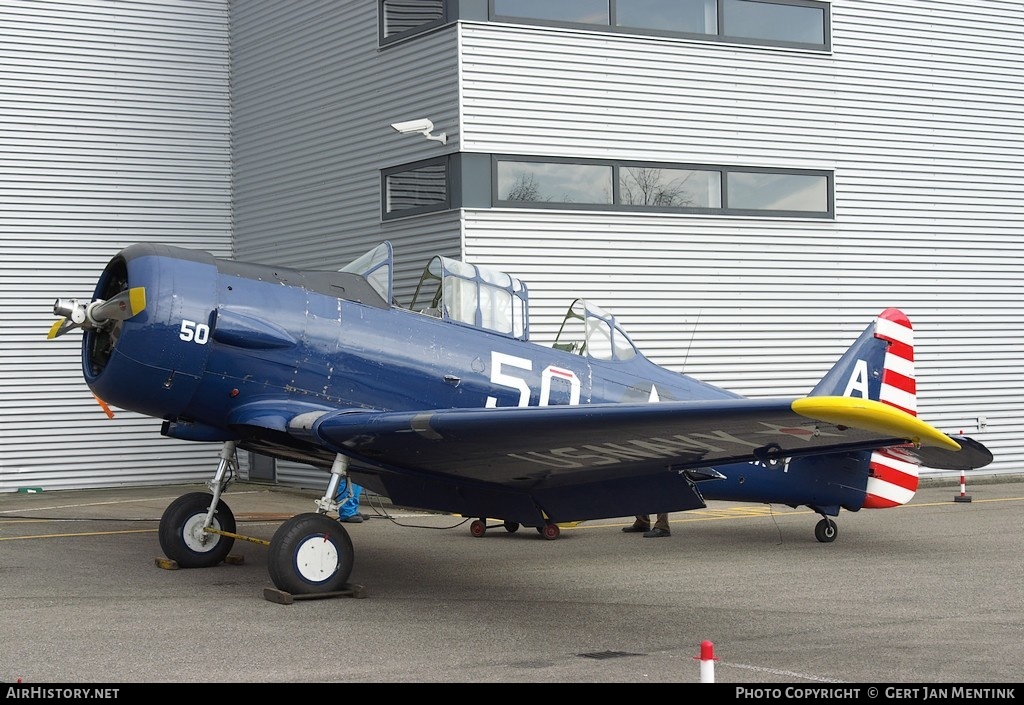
{"x":511,"y":526}
{"x":310,"y":554}
{"x":550,"y":531}
{"x":826,"y":531}
{"x":181,"y":531}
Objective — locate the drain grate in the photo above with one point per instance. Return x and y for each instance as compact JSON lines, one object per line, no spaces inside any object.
{"x":608,"y":654}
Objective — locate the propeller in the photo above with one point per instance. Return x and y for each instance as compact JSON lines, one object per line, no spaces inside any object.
{"x":96,"y":314}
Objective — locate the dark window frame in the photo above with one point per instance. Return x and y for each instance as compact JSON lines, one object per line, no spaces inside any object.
{"x":483,"y":10}
{"x":825,"y":7}
{"x":617,"y":206}
{"x":385,"y":40}
{"x":444,"y":160}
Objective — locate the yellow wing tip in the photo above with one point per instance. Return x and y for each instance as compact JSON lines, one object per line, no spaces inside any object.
{"x":871,"y":415}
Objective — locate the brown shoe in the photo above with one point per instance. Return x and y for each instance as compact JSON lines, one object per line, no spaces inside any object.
{"x":636,"y":528}
{"x":657,"y":533}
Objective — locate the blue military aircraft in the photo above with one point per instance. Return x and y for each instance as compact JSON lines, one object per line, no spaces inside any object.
{"x":447,"y":405}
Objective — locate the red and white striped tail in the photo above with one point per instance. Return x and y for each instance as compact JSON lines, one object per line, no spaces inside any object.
{"x":894,"y":479}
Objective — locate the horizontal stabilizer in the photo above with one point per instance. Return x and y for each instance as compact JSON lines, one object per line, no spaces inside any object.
{"x":870,"y":415}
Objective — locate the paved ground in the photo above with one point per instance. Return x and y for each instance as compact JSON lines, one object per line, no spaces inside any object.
{"x":927,"y":593}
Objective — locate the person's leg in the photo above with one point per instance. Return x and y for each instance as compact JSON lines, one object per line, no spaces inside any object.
{"x":642,"y":523}
{"x":660,"y":528}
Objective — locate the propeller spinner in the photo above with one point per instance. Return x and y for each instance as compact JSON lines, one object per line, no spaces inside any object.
{"x":96,"y":314}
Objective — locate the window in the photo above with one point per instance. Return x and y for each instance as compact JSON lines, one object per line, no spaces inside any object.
{"x":558,"y":182}
{"x":792,"y":23}
{"x":581,"y":11}
{"x":668,"y":188}
{"x":724,"y":190}
{"x":684,"y":16}
{"x":416,"y":188}
{"x":402,"y":18}
{"x":774,"y":191}
{"x":788,"y":24}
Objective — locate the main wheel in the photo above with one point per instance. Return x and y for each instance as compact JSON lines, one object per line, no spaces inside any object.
{"x":181,"y":531}
{"x":477,"y":528}
{"x":309,"y":554}
{"x":826,"y":530}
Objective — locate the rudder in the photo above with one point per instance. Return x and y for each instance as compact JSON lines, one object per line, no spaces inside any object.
{"x":880,"y":366}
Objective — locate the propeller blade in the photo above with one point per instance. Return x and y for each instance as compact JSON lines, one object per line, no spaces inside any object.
{"x":60,"y":327}
{"x":97,"y":314}
{"x":118,"y":308}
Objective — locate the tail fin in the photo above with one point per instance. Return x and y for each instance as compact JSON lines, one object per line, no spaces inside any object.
{"x":880,"y":366}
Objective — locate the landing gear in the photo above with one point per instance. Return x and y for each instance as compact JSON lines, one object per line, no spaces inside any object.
{"x":826,"y":530}
{"x":550,"y":531}
{"x":478,"y":527}
{"x":183,"y":535}
{"x":309,"y":554}
{"x":184,"y":531}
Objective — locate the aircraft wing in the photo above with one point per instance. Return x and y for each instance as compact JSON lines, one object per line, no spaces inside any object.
{"x":557,"y":448}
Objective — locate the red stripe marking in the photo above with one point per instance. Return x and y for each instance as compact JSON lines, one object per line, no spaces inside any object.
{"x":899,"y":349}
{"x":899,"y":381}
{"x":912,"y":412}
{"x":896,"y":316}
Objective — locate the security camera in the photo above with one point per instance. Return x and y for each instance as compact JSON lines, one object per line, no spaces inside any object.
{"x":425,"y":126}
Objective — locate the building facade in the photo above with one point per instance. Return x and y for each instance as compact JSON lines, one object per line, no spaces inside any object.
{"x":745,"y":184}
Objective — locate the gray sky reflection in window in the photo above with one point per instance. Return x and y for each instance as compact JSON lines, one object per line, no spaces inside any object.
{"x":778,"y":192}
{"x":786,"y":23}
{"x":588,"y":11}
{"x":696,"y":16}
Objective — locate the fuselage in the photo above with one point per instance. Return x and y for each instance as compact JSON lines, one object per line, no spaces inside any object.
{"x":224,"y":347}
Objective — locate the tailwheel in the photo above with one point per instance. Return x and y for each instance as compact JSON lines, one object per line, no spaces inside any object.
{"x":309,"y":554}
{"x":478,"y":527}
{"x":182,"y":535}
{"x":826,"y":530}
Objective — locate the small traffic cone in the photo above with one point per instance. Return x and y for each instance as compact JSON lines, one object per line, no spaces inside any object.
{"x":707,"y":662}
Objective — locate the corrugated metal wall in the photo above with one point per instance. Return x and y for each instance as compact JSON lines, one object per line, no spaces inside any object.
{"x":313,"y":101}
{"x":919,"y":112}
{"x":114,"y":128}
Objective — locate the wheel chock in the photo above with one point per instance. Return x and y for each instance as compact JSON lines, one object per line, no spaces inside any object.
{"x":286,"y":598}
{"x":171,"y":564}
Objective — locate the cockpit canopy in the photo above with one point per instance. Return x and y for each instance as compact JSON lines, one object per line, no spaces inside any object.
{"x":588,"y":329}
{"x":473,"y":296}
{"x":479,"y":297}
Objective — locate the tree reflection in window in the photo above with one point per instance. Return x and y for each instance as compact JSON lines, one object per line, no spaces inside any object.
{"x":559,"y":182}
{"x":670,"y":188}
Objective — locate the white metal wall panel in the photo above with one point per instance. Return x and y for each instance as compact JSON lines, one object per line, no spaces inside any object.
{"x":918,"y":109}
{"x":113,"y":129}
{"x":313,"y":100}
